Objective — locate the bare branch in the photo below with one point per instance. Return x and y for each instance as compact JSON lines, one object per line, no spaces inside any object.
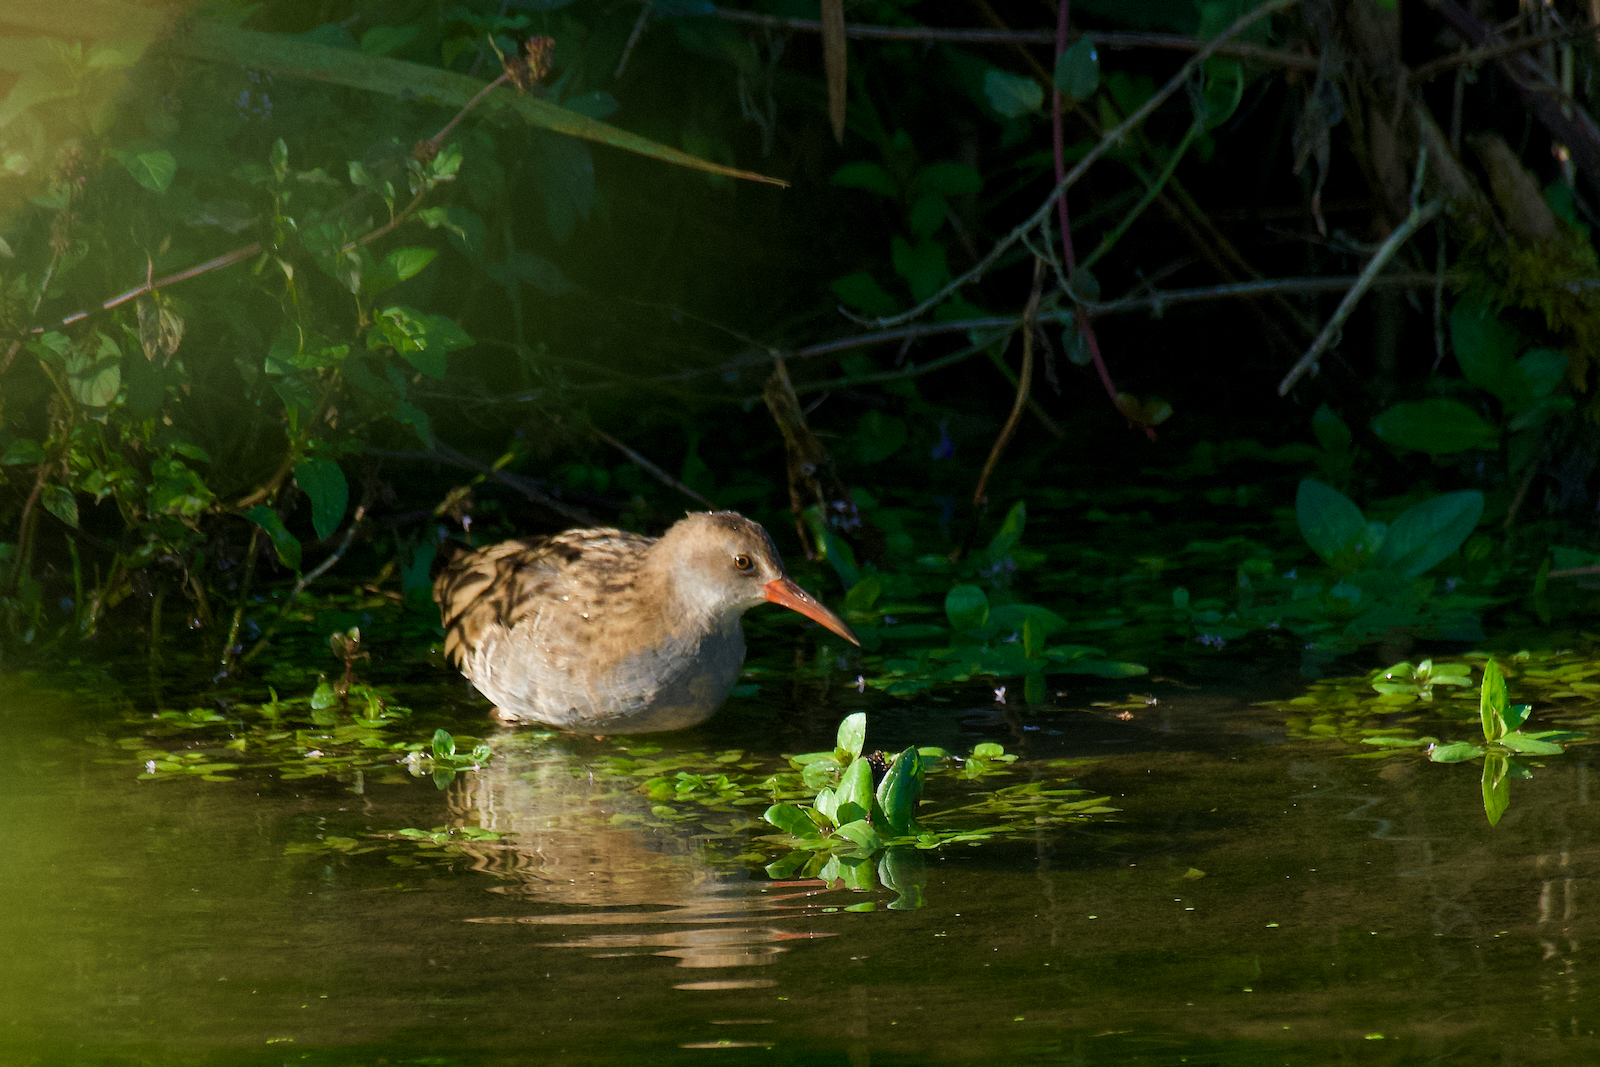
{"x":1418,"y":218}
{"x":1176,"y":42}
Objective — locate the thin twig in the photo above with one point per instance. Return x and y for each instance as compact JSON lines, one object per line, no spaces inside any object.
{"x":1115,"y":234}
{"x":1574,"y":572}
{"x":1171,"y":41}
{"x":913,"y":371}
{"x":443,"y":453}
{"x":650,"y":468}
{"x":232,"y":635}
{"x":1433,"y":68}
{"x":1024,"y":380}
{"x":308,"y":577}
{"x":1111,"y":138}
{"x":633,"y":38}
{"x":1418,"y":218}
{"x":1522,"y":491}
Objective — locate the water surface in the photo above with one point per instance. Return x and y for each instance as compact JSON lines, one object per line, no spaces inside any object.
{"x":1259,"y":898}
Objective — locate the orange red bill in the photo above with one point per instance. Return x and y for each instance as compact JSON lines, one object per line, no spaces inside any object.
{"x":784,"y":591}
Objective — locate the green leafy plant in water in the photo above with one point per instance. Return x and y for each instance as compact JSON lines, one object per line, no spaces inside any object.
{"x":1503,"y":740}
{"x":853,"y":829}
{"x":327,"y":733}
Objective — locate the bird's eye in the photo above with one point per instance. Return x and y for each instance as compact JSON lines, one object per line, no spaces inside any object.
{"x":742,"y":562}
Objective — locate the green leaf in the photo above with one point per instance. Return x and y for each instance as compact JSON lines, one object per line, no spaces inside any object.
{"x":323,"y":482}
{"x":899,"y":792}
{"x":853,"y":733}
{"x":1456,"y":752}
{"x":1542,"y":369}
{"x":862,"y":835}
{"x":790,"y":819}
{"x":1515,"y":715}
{"x":863,"y":595}
{"x":946,"y":179}
{"x":868,"y":176}
{"x":1485,"y":346}
{"x":1010,"y":531}
{"x":59,"y":501}
{"x":928,"y":215}
{"x":1531,"y":746}
{"x":967,"y":607}
{"x":854,"y":788}
{"x":1423,"y":535}
{"x":879,"y":436}
{"x":1014,"y":618}
{"x":1100,"y":668}
{"x":177,"y":490}
{"x":1223,"y":89}
{"x":396,"y":267}
{"x":1496,"y":786}
{"x":862,"y":292}
{"x":22,"y":450}
{"x":923,"y":265}
{"x":422,"y":340}
{"x":154,"y":169}
{"x":323,"y":697}
{"x":94,"y":375}
{"x":1012,"y":95}
{"x":1329,"y":521}
{"x":902,"y":871}
{"x":1078,"y":69}
{"x":381,"y":40}
{"x":1331,"y":431}
{"x":286,"y":544}
{"x":443,"y":744}
{"x":1493,"y":701}
{"x":1437,"y":427}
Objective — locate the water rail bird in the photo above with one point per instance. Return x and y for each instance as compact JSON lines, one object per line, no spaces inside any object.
{"x":604,"y":631}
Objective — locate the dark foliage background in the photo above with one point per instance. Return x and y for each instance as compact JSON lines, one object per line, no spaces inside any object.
{"x":520,"y":329}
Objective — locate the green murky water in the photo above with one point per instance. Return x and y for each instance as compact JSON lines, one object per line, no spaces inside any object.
{"x":1259,"y":899}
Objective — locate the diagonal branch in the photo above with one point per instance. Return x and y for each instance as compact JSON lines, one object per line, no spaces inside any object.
{"x":1418,"y":218}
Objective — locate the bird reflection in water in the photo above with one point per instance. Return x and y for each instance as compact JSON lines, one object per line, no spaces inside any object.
{"x":570,"y":838}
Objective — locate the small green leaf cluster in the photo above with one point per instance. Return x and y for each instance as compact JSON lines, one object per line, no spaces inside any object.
{"x":850,"y":825}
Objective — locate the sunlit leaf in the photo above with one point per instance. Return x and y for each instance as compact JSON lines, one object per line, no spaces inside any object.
{"x":1457,"y":752}
{"x":1531,"y":746}
{"x":1496,"y":787}
{"x":153,"y":169}
{"x":853,"y":733}
{"x":59,"y":501}
{"x":286,"y":544}
{"x":899,"y":792}
{"x":1493,"y":701}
